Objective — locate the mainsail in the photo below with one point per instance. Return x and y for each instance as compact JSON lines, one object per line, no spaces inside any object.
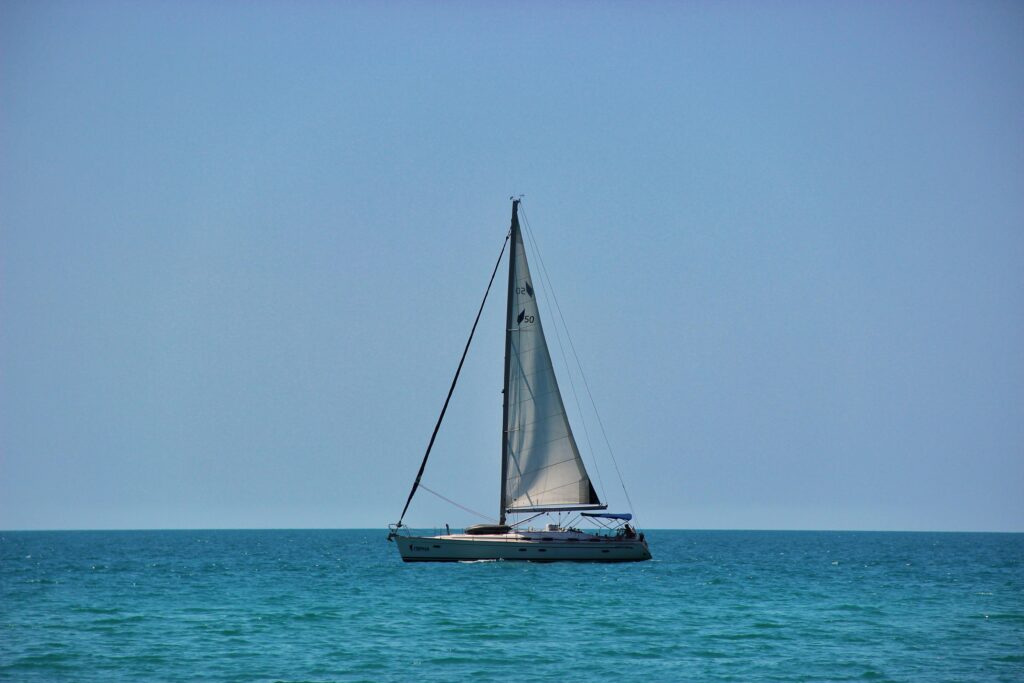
{"x":541,"y":468}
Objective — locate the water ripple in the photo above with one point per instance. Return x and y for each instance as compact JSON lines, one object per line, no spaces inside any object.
{"x":339,"y":606}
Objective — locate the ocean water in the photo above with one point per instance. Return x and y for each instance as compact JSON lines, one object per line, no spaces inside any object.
{"x":341,"y":606}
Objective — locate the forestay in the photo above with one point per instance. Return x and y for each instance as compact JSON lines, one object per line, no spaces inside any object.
{"x":542,"y":468}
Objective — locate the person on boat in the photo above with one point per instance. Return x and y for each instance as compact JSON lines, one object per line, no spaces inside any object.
{"x":628,"y":530}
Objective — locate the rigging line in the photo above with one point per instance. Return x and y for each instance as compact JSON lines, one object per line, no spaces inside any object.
{"x":586,"y":384}
{"x":533,"y":243}
{"x":520,"y":379}
{"x":544,"y":467}
{"x":423,"y":465}
{"x":458,"y":505}
{"x":565,"y":357}
{"x":554,"y":488}
{"x":561,"y":348}
{"x":524,"y":521}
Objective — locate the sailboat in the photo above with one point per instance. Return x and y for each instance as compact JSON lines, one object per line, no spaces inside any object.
{"x":542,"y":472}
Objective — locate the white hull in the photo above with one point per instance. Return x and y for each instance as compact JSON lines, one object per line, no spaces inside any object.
{"x":534,"y":546}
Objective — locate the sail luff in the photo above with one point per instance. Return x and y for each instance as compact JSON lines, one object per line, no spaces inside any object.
{"x":514,"y":236}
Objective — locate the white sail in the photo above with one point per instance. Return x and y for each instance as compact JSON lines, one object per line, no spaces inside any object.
{"x":543,"y":468}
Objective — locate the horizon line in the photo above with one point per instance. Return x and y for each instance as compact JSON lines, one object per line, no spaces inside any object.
{"x":385,"y":529}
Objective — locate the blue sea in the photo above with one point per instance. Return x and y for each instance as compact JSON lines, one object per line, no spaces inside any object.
{"x":340,"y":606}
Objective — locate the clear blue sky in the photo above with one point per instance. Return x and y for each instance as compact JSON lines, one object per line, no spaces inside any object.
{"x":241,"y":245}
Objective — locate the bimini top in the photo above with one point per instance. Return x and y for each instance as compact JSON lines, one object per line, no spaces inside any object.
{"x":609,"y":515}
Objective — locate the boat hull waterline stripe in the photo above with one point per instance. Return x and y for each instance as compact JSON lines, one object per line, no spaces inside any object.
{"x":595,"y":549}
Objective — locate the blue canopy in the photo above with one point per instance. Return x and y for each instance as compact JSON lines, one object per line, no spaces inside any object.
{"x":609,"y":515}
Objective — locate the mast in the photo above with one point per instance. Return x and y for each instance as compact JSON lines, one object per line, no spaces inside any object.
{"x":509,"y":312}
